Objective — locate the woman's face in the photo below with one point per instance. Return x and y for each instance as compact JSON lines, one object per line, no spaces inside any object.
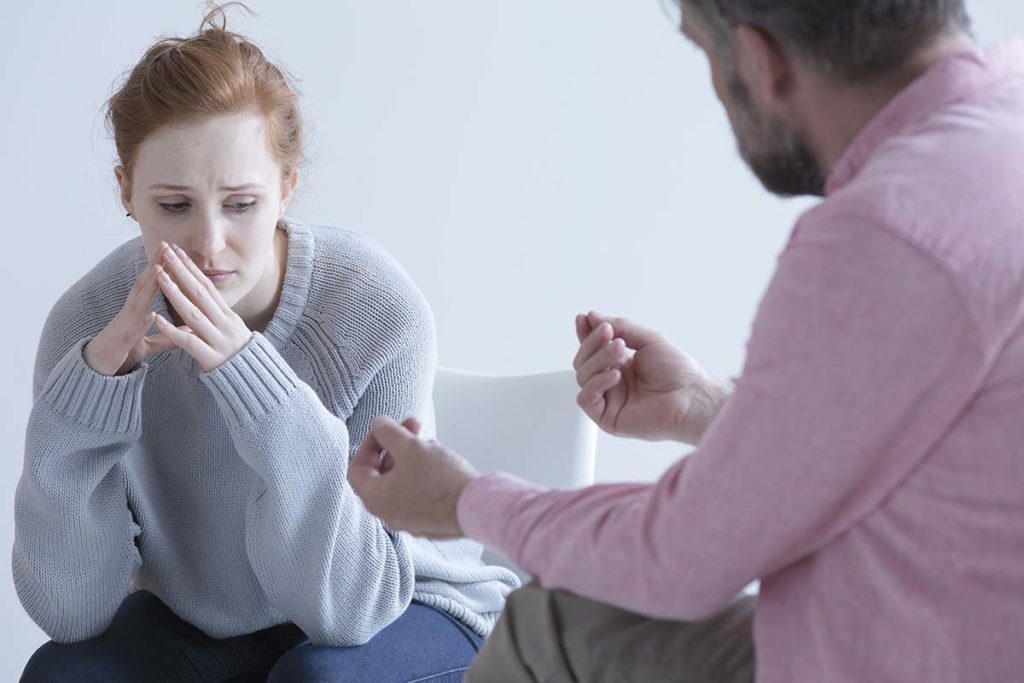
{"x":215,"y":189}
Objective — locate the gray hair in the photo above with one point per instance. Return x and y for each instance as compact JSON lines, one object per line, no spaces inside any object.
{"x":854,"y":40}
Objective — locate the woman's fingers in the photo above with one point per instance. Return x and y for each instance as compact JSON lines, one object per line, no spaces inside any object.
{"x":190,"y":313}
{"x":135,"y":318}
{"x":612,"y":354}
{"x":594,"y":342}
{"x":133,"y":328}
{"x":200,"y":276}
{"x":136,"y":306}
{"x":159,"y":342}
{"x":193,"y":288}
{"x":185,"y":339}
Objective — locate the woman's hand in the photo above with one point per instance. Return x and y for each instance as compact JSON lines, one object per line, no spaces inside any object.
{"x":212,"y":332}
{"x":635,"y":382}
{"x":123,"y":343}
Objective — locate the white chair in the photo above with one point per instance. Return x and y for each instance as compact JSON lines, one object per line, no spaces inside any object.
{"x":527,"y":425}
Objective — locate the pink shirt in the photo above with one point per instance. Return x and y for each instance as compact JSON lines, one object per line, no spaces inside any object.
{"x":869,"y":467}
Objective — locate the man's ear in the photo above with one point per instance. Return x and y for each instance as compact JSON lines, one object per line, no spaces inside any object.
{"x":126,"y":188}
{"x":765,"y":67}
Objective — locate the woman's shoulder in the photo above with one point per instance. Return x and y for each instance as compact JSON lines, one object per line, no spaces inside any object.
{"x":355,"y":254}
{"x":100,"y":293}
{"x":353,"y":274}
{"x":90,"y":303}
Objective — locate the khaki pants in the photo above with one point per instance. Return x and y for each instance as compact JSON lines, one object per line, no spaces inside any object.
{"x":554,"y":637}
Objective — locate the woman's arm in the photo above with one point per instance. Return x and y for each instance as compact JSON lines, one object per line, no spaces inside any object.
{"x":74,"y":551}
{"x":323,"y":560}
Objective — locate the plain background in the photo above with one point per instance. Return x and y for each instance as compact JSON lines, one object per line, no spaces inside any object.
{"x":524,"y":161}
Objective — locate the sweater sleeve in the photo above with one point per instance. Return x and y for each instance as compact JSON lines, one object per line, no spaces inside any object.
{"x":862,"y":355}
{"x":74,"y":552}
{"x":324,"y":562}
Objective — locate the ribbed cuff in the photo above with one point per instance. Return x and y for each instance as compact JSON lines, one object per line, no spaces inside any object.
{"x":110,"y":404}
{"x":486,"y":506}
{"x":252,"y":382}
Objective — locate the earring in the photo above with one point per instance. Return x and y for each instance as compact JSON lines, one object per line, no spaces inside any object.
{"x":129,"y":214}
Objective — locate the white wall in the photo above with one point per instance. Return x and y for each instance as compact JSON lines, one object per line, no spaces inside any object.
{"x":523,"y":160}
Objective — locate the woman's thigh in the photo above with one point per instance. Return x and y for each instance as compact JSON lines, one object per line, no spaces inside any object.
{"x":147,"y":642}
{"x":423,"y":645}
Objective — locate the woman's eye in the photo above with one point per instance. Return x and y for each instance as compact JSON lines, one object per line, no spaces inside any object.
{"x":176,"y":207}
{"x":241,"y":207}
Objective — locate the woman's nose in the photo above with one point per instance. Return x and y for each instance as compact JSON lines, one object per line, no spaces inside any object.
{"x":208,"y":238}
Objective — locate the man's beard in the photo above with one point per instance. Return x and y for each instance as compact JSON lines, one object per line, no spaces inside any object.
{"x":778,"y":155}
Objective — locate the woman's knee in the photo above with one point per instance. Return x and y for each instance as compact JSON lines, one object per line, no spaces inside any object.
{"x":59,"y":663}
{"x":295,"y":665}
{"x":309,"y":663}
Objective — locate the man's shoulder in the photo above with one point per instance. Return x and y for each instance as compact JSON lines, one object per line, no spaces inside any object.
{"x":949,"y":185}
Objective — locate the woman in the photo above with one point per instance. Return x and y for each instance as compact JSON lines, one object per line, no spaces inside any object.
{"x":183,"y":513}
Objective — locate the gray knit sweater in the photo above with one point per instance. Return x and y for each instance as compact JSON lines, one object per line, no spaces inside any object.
{"x":225,"y":493}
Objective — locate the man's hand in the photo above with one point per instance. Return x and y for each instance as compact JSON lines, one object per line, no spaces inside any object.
{"x":410,"y":484}
{"x":635,"y":382}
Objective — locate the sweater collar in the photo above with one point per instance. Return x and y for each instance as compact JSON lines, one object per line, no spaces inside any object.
{"x":297,"y":277}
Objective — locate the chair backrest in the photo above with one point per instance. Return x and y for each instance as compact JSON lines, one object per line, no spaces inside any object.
{"x":527,"y":425}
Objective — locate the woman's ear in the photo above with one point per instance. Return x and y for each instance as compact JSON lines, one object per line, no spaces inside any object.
{"x":288,"y":185}
{"x":125,"y":186}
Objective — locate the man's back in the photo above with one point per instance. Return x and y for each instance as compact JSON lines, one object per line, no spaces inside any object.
{"x":868,"y":465}
{"x":928,"y":585}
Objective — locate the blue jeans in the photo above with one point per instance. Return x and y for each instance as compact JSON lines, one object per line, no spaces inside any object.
{"x":147,"y":642}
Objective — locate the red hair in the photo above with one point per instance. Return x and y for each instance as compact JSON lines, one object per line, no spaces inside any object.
{"x":182,"y":80}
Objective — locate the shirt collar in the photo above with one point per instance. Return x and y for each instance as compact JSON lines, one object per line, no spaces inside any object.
{"x":952,"y":80}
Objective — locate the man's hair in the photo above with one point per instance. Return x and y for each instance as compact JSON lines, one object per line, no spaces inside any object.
{"x":852,"y":40}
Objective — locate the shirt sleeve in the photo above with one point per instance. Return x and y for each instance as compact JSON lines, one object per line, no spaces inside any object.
{"x":862,"y":355}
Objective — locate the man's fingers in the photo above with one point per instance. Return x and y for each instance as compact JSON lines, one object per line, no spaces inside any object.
{"x":363,"y":475}
{"x":613,"y":354}
{"x":634,"y":335}
{"x":391,"y":435}
{"x":369,"y":450}
{"x":592,"y":396}
{"x":583,"y":327}
{"x":413,"y":425}
{"x":601,"y":335}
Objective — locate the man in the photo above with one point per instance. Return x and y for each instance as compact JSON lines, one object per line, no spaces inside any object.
{"x":868,"y":466}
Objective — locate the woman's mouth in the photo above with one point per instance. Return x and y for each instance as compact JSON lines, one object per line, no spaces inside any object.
{"x":218,"y":277}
